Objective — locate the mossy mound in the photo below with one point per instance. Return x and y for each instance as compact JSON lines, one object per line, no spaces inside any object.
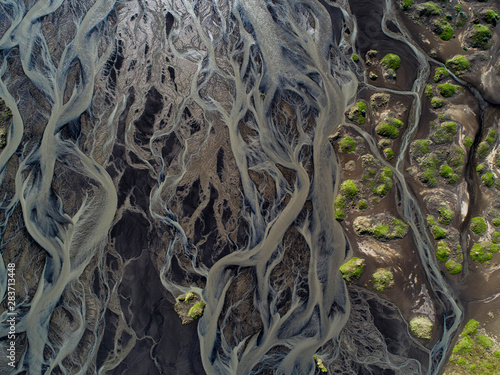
{"x":189,"y":307}
{"x":458,"y":63}
{"x":447,"y":90}
{"x":491,"y":17}
{"x":355,"y":57}
{"x":320,"y":364}
{"x":357,"y":113}
{"x":386,"y":130}
{"x":381,"y":226}
{"x":349,"y":189}
{"x":480,"y":37}
{"x":440,"y":74}
{"x":382,"y":279}
{"x":379,"y":100}
{"x":429,"y":9}
{"x":352,"y":269}
{"x":477,"y":225}
{"x":391,"y":61}
{"x":421,"y":327}
{"x":483,"y":252}
{"x":473,"y":353}
{"x":347,"y":144}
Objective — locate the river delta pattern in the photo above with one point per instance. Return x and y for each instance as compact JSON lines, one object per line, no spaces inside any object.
{"x":159,"y":147}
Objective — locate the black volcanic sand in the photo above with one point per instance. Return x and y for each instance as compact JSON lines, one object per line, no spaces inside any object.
{"x":370,"y":36}
{"x":153,"y":318}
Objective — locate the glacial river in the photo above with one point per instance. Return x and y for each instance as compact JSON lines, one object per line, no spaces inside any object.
{"x":162,"y":146}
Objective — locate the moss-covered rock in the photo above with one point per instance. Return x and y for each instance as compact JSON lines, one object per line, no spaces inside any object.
{"x":388,"y":153}
{"x":445,"y":215}
{"x":379,"y":100}
{"x":363,"y":204}
{"x":349,"y":189}
{"x":478,"y":225}
{"x":491,"y":17}
{"x":480,"y":254}
{"x":421,"y":327}
{"x":468,"y":141}
{"x":340,"y":215}
{"x":391,"y":61}
{"x":381,"y":227}
{"x":419,"y":148}
{"x":352,"y":269}
{"x":406,"y":4}
{"x":488,"y":179}
{"x":437,"y":103}
{"x":189,"y":307}
{"x":320,"y":364}
{"x":438,"y":232}
{"x":483,"y":149}
{"x":453,"y":267}
{"x":480,"y":37}
{"x":440,"y":74}
{"x":347,"y":144}
{"x":382,"y":279}
{"x":386,"y":130}
{"x":443,"y":251}
{"x":429,"y":9}
{"x":357,"y":113}
{"x":473,"y":353}
{"x":447,"y":90}
{"x":458,"y":63}
{"x":470,"y":328}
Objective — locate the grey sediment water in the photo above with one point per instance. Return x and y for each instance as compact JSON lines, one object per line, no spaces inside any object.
{"x":192,"y":137}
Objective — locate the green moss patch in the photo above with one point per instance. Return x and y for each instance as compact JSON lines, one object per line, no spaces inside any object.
{"x":352,"y":269}
{"x":483,"y":149}
{"x":357,"y":113}
{"x":421,"y":327}
{"x":349,"y":189}
{"x":347,"y":144}
{"x":437,"y":103}
{"x":355,"y":57}
{"x":381,"y":227}
{"x":406,"y":4}
{"x":480,"y":253}
{"x":477,"y":225}
{"x":445,"y":215}
{"x":429,"y":9}
{"x":340,"y":215}
{"x":458,"y":63}
{"x":473,"y":353}
{"x":443,"y":251}
{"x":468,"y":141}
{"x":488,"y":179}
{"x":480,"y":37}
{"x":440,"y":74}
{"x":391,"y":61}
{"x":189,"y":307}
{"x":382,"y":279}
{"x":386,"y":130}
{"x":419,"y":148}
{"x":320,"y":364}
{"x":438,"y":232}
{"x":453,"y":267}
{"x":491,"y":17}
{"x":447,"y":90}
